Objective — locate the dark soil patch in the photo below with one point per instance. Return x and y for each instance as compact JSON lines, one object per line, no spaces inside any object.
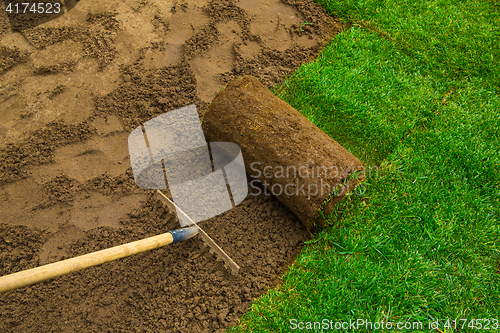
{"x":72,"y":89}
{"x":178,"y":288}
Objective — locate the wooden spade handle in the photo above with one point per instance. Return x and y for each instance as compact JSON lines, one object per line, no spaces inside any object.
{"x":50,"y":271}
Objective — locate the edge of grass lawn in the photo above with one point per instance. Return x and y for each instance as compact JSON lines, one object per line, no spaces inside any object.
{"x":422,"y":243}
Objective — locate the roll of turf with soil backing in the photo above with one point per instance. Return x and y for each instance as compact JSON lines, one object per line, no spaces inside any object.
{"x":291,"y":157}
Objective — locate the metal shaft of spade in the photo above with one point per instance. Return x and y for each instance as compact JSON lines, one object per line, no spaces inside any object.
{"x":230,"y":264}
{"x":50,"y":271}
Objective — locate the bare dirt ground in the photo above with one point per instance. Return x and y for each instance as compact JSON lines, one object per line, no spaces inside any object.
{"x":72,"y":88}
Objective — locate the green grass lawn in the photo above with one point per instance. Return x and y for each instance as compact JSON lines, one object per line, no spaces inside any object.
{"x":412,"y":88}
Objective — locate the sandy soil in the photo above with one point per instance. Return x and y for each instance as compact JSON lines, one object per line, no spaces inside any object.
{"x":72,"y":87}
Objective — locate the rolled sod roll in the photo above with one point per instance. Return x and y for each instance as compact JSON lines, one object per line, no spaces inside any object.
{"x":285,"y":155}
